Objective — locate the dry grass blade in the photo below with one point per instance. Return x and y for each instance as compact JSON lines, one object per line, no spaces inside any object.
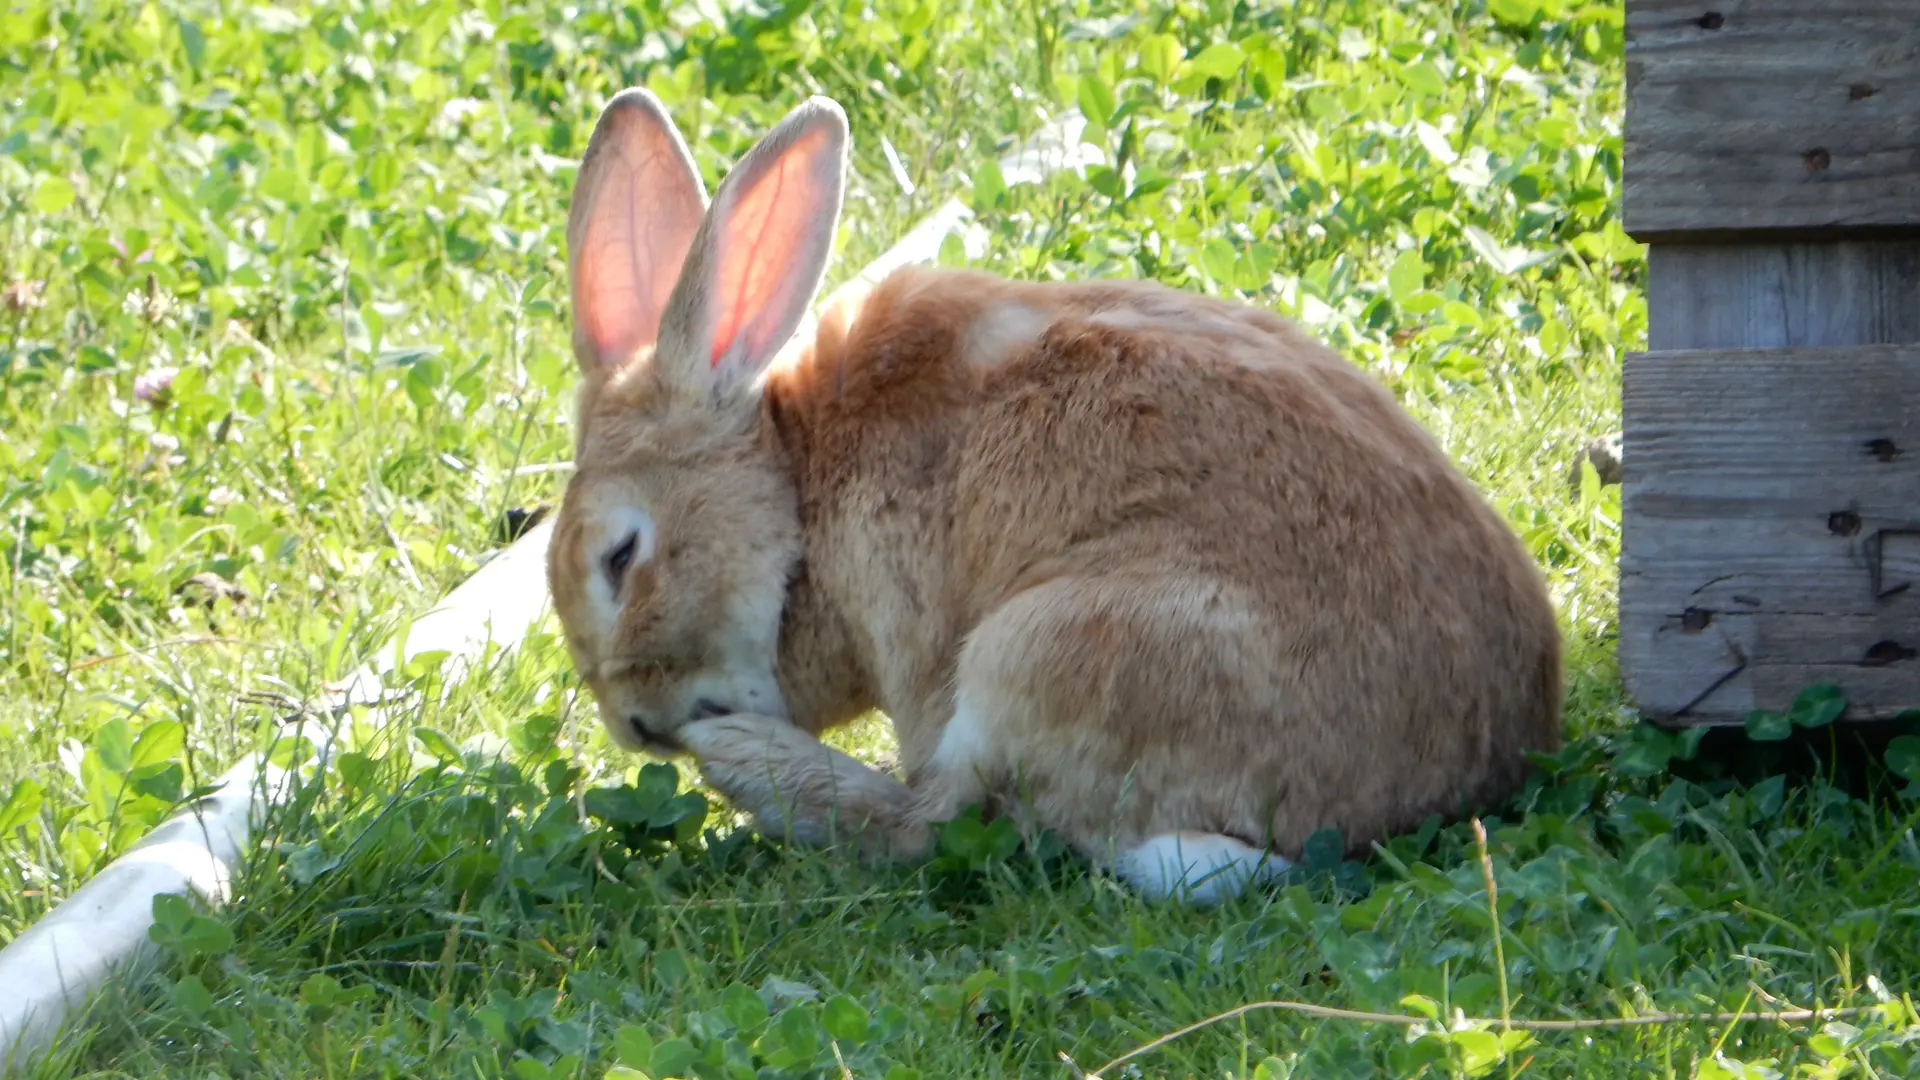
{"x":1328,"y":1012}
{"x":162,"y":646}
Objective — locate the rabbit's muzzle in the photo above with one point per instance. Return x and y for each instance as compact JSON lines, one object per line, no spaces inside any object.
{"x":667,"y":742}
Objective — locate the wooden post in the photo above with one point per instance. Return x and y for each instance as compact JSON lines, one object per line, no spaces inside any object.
{"x":1771,"y":490}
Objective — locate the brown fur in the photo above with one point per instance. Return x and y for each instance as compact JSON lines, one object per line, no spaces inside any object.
{"x":1183,"y":567}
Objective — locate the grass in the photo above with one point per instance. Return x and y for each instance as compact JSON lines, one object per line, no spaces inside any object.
{"x":284,"y":319}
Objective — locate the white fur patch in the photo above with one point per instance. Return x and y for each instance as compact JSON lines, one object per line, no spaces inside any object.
{"x":1003,"y":332}
{"x":742,"y":674}
{"x":608,"y":531}
{"x":1202,"y":869}
{"x":965,"y":746}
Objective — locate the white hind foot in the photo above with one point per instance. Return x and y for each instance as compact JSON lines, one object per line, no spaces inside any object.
{"x":1202,"y":869}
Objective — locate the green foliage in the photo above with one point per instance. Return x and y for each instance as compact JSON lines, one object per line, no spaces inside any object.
{"x":1903,"y":759}
{"x":471,"y":917}
{"x":281,"y":319}
{"x":177,"y":927}
{"x":1816,"y":706}
{"x":650,"y":805}
{"x":282,"y":316}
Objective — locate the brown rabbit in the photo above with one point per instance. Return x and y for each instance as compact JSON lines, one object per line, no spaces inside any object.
{"x":1158,"y":572}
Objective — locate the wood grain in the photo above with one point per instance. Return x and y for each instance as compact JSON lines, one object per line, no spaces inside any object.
{"x":1784,"y":116}
{"x":1771,"y":529}
{"x":1782,"y":295}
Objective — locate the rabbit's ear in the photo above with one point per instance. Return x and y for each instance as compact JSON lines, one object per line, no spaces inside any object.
{"x":760,"y":255}
{"x":637,"y":203}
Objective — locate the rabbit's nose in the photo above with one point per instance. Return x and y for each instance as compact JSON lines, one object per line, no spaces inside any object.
{"x":656,"y":741}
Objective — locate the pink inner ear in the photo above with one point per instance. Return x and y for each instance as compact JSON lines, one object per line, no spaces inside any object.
{"x":637,"y":205}
{"x":766,"y":228}
{"x":617,"y":310}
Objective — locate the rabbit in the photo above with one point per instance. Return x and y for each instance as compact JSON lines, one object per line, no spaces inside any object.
{"x":1158,"y":572}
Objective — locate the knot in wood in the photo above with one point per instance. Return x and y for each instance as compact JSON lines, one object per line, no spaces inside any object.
{"x":1843,"y":523}
{"x":1817,"y":159}
{"x":1712,"y":20}
{"x":1882,"y":653}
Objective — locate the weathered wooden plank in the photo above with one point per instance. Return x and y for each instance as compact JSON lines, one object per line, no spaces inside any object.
{"x":1787,"y":295}
{"x":1771,"y":528}
{"x":1738,"y":663}
{"x":1791,"y":116}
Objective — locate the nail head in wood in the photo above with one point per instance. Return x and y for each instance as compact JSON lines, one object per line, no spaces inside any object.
{"x":1766,"y":127}
{"x":1882,"y":653}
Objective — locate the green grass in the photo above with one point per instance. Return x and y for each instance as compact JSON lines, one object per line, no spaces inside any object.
{"x":341,"y":227}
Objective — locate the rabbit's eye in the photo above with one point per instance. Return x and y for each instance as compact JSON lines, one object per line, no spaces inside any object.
{"x":619,"y":557}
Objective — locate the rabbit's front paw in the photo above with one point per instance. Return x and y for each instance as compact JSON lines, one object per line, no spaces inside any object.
{"x":744,"y":756}
{"x":794,"y":786}
{"x":742,"y":739}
